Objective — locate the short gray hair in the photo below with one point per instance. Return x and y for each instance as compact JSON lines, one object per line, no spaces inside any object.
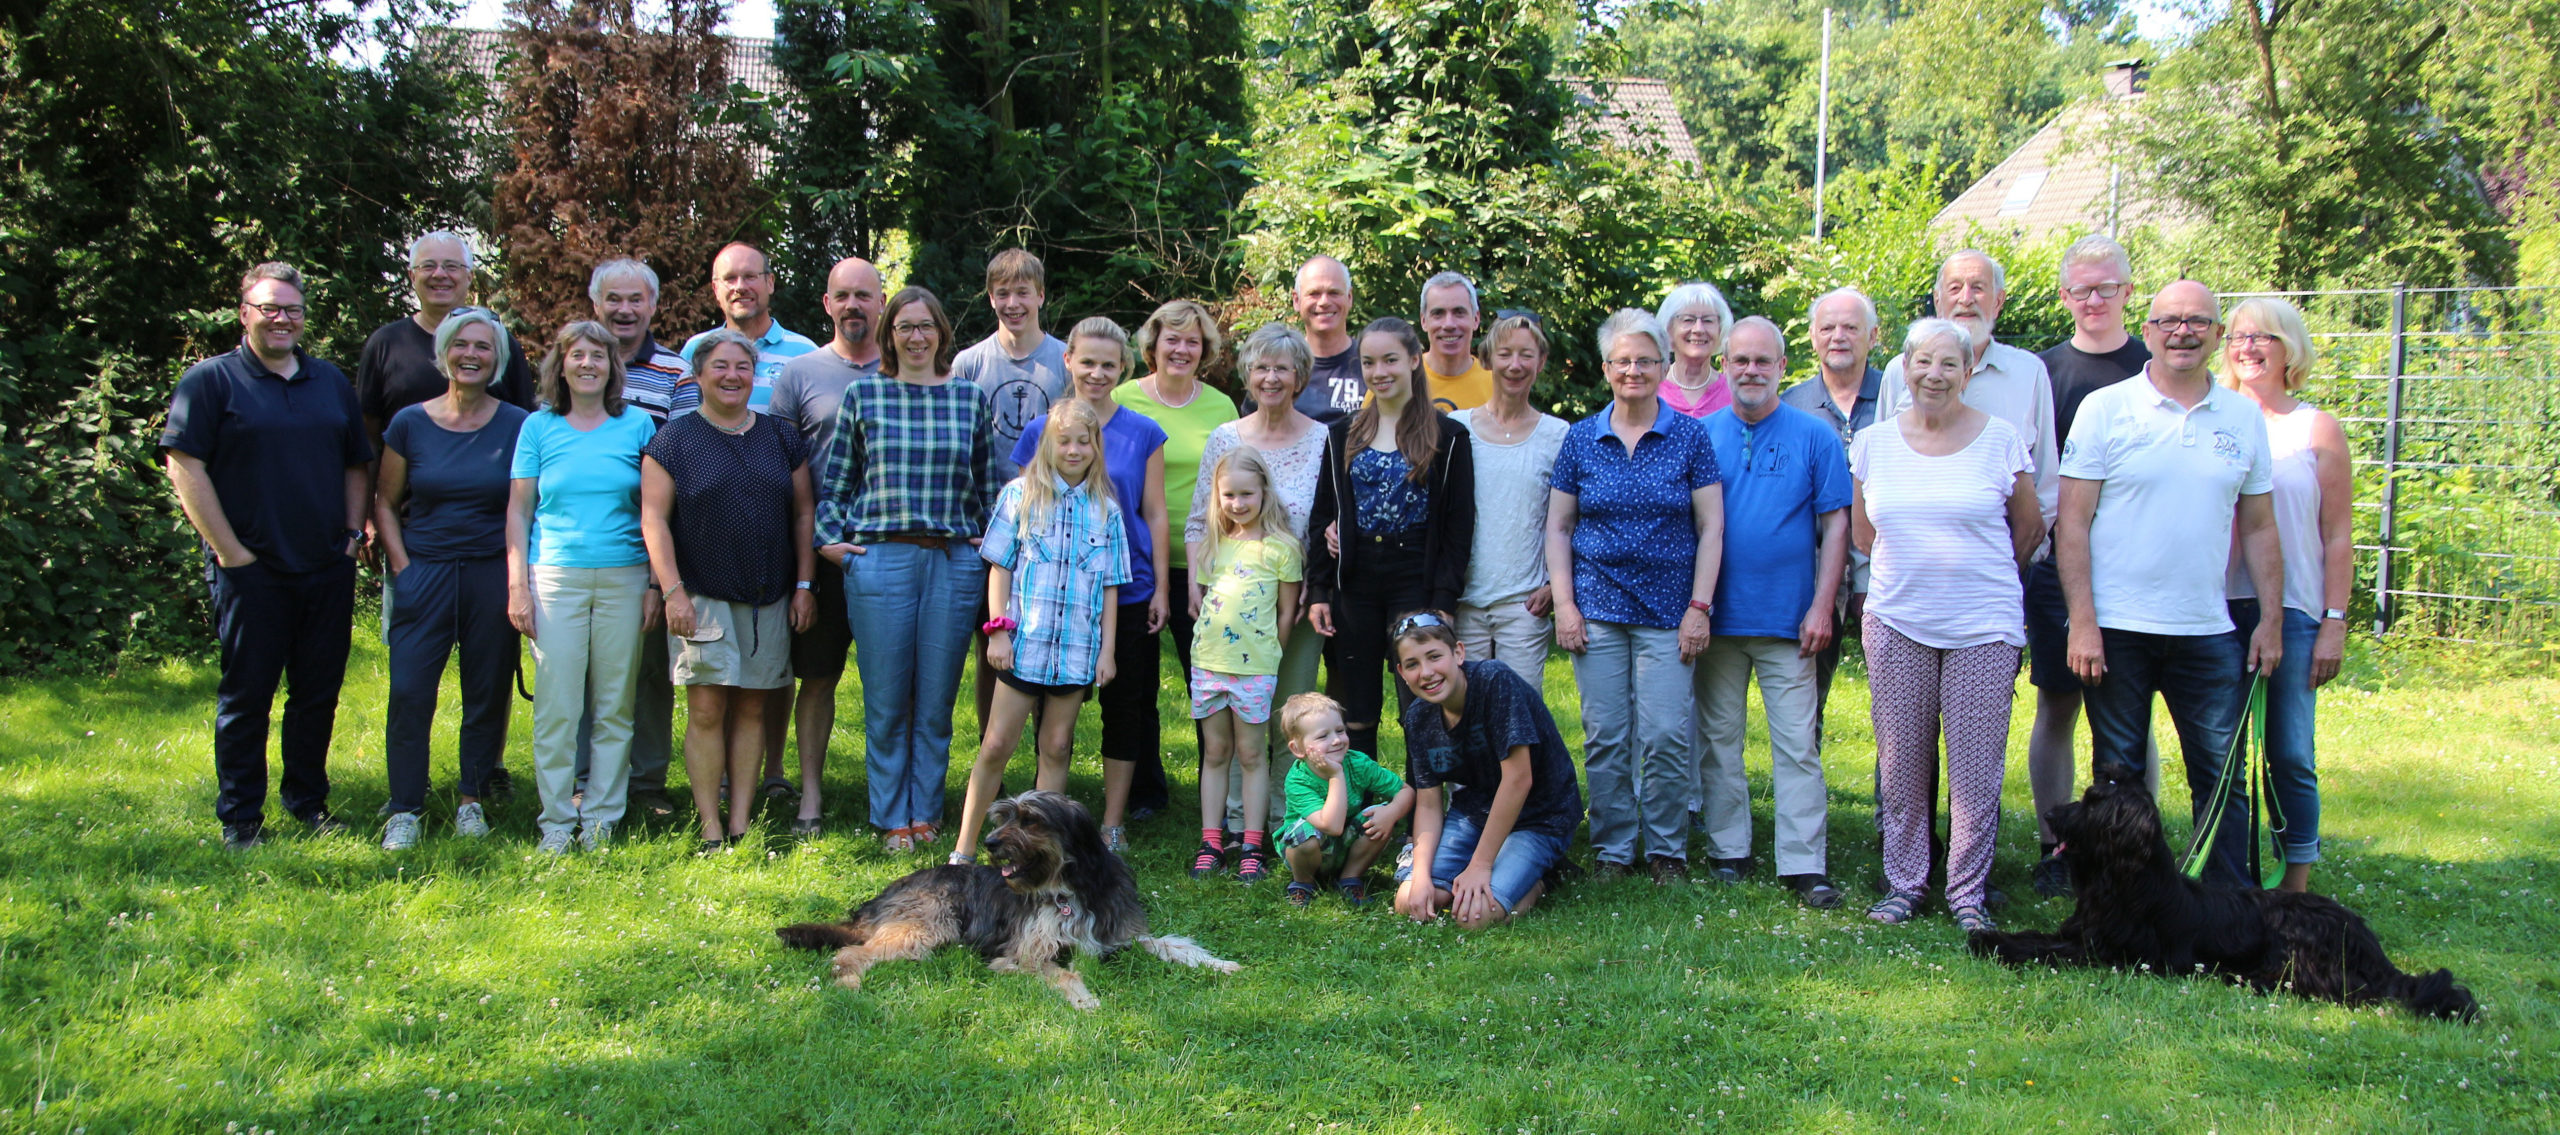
{"x":1866,"y":307}
{"x":1922,"y":331}
{"x":1776,"y":335}
{"x":2096,"y":248}
{"x":469,"y":261}
{"x":702,"y":346}
{"x":465,"y":316}
{"x":1422,"y":302}
{"x":1695,"y":293}
{"x":625,"y":266}
{"x":1632,"y":321}
{"x":1277,"y":339}
{"x":1999,"y":275}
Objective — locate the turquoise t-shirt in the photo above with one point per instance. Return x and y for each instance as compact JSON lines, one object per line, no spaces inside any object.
{"x":588,"y":514}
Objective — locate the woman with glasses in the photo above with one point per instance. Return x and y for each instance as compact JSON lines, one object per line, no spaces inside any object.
{"x":903,"y":495}
{"x":1696,"y":318}
{"x":1635,"y":535}
{"x":2267,"y":355}
{"x":1399,"y":480}
{"x":1504,"y":614}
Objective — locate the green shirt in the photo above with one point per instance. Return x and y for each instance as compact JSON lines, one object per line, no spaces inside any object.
{"x":1186,"y":431}
{"x":1369,"y":783}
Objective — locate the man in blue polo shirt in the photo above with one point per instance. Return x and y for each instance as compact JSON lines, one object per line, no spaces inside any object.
{"x":1786,"y":529}
{"x":269,"y":454}
{"x":742,"y":283}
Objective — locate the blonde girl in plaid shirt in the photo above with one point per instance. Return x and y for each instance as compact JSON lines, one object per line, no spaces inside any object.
{"x":1057,"y":554}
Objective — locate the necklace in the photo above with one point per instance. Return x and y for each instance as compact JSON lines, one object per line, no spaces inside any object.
{"x":743,"y":427}
{"x":1502,"y":433}
{"x":1155,"y":390}
{"x":1711,"y":380}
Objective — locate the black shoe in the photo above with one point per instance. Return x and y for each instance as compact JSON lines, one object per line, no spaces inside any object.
{"x":242,"y":837}
{"x":1816,"y":891}
{"x":1728,"y":870}
{"x":1993,"y":898}
{"x":1143,"y":813}
{"x":652,"y":803}
{"x":499,"y":786}
{"x":1607,"y":869}
{"x":778,"y":788}
{"x":323,"y":824}
{"x":1665,"y":869}
{"x":2053,"y":877}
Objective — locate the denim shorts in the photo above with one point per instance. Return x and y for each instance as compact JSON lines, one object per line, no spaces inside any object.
{"x":1523,"y":860}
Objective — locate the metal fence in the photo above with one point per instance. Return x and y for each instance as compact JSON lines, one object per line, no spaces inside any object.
{"x":2450,"y":398}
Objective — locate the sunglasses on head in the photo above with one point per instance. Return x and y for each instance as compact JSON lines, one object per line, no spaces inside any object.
{"x":1521,"y":313}
{"x":1415,"y":622}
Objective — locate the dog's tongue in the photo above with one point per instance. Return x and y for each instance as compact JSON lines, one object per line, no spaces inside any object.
{"x":1007,"y":870}
{"x":2060,"y":846}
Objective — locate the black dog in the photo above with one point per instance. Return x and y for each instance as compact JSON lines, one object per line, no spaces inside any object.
{"x":1052,"y":890}
{"x":2137,"y":910}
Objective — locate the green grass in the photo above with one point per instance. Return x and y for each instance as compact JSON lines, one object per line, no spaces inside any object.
{"x":155,"y":982}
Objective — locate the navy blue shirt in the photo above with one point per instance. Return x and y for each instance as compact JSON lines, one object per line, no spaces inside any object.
{"x":1780,"y":476}
{"x":1502,"y":711}
{"x":277,"y":451}
{"x":397,"y":370}
{"x":1812,"y":397}
{"x":1387,"y":500}
{"x":1635,"y":539}
{"x":458,"y":483}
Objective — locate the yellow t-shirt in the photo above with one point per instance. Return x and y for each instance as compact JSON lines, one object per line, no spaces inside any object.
{"x":1239,"y":628}
{"x":1464,"y":392}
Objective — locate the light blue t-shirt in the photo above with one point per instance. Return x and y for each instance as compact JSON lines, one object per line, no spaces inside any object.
{"x":779,"y":345}
{"x":1780,"y":476}
{"x":588,"y":514}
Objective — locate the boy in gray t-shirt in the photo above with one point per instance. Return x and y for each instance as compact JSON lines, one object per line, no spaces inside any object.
{"x":1019,"y":387}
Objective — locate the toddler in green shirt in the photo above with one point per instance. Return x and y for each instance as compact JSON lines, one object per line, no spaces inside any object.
{"x":1342,"y":805}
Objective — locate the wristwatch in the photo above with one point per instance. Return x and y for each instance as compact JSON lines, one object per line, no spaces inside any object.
{"x":805,"y":585}
{"x":355,"y":534}
{"x":2333,"y":613}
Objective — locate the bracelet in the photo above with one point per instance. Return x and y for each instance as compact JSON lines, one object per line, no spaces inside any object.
{"x":999,"y":623}
{"x":1703,"y":608}
{"x":804,"y":585}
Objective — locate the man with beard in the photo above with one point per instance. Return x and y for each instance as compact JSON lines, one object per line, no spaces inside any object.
{"x":1786,"y":543}
{"x":806,"y":398}
{"x":1322,"y":298}
{"x":742,"y":284}
{"x":2161,"y":469}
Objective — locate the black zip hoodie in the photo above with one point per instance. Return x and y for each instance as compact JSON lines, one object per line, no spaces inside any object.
{"x":1448,"y":533}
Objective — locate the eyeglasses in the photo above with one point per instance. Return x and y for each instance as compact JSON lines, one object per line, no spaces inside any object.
{"x":1414,"y":622}
{"x":2251,"y":339}
{"x":278,"y":310}
{"x":1694,"y":319}
{"x":2182,"y":322}
{"x":1639,"y":363}
{"x":2106,"y":291}
{"x":914,"y":328}
{"x":448,"y":267}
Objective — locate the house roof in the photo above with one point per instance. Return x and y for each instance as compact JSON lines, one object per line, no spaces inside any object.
{"x":2075,"y":175}
{"x":1637,"y":114}
{"x":750,"y":58}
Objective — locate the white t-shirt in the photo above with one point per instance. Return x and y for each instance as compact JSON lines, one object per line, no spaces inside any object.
{"x":1509,"y":557}
{"x":2170,"y":478}
{"x":2297,"y":506}
{"x":1944,"y":572}
{"x":2008,"y":384}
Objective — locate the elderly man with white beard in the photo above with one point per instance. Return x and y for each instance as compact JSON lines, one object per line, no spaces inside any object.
{"x":2007,"y":383}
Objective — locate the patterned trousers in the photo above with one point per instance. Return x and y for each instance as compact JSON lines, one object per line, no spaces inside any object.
{"x":1915,"y":689}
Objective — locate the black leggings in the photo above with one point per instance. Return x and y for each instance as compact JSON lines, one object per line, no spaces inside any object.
{"x":1132,"y":730}
{"x":1390,"y":583}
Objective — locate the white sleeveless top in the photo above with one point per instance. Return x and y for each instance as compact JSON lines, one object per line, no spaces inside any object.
{"x":2297,"y":504}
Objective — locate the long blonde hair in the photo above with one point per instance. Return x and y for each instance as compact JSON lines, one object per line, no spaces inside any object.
{"x":1040,"y":475}
{"x":1245,"y":460}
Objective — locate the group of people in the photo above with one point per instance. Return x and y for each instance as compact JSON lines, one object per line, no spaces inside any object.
{"x":1391,"y":506}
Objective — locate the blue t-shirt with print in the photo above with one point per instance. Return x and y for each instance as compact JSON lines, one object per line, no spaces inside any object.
{"x":1780,"y":476}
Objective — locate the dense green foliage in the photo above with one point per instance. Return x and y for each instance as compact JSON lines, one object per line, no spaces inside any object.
{"x":159,"y":984}
{"x":148,"y":153}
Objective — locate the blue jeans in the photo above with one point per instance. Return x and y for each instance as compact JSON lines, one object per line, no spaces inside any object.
{"x":1522,"y":861}
{"x":2292,"y":711}
{"x":910,"y":608}
{"x":2196,"y":675}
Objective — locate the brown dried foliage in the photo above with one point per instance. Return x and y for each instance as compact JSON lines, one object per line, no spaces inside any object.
{"x":613,"y":157}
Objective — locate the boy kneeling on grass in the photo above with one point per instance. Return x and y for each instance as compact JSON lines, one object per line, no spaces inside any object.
{"x":1342,"y":805}
{"x":1513,"y":804}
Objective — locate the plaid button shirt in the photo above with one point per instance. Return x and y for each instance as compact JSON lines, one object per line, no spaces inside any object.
{"x":1059,"y":574}
{"x":906,"y":458}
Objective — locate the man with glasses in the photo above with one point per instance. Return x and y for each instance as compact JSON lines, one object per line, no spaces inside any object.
{"x":742,"y":284}
{"x":1322,"y":297}
{"x":2097,"y":281}
{"x":270,"y":457}
{"x":2161,"y":469}
{"x":1451,"y":312}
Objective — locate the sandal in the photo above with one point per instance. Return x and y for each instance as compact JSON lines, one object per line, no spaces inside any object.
{"x":1896,"y":908}
{"x":1353,"y":891}
{"x":924,"y":834}
{"x":898,"y":839}
{"x":1208,"y":861}
{"x":1252,"y":864}
{"x":1300,"y":894}
{"x":1972,"y":919}
{"x":1115,"y":839}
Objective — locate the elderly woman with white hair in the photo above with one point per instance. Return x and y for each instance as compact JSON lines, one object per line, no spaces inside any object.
{"x":1945,"y":503}
{"x":1635,"y":535}
{"x":2267,"y":355}
{"x":1696,"y":317}
{"x":440,"y":510}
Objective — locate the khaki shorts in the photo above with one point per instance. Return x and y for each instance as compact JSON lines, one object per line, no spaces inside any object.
{"x":734,"y":644}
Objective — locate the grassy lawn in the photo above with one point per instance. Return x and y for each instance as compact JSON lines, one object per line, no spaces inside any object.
{"x":155,"y":982}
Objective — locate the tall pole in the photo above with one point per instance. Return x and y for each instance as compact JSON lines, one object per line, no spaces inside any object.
{"x":2385,"y":612}
{"x":1822,"y":128}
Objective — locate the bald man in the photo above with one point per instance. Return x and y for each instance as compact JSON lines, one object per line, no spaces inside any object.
{"x":2160,"y":470}
{"x":805,"y":397}
{"x":742,"y":284}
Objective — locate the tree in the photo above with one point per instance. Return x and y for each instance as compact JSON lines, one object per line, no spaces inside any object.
{"x":844,"y":161}
{"x":617,"y":151}
{"x":148,"y":153}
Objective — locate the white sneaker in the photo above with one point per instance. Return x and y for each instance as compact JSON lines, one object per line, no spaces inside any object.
{"x":554,"y":842}
{"x":400,"y":832}
{"x":469,"y":821}
{"x":594,"y":835}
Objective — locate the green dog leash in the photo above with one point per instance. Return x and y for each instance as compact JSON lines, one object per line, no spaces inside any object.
{"x":2261,"y":791}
